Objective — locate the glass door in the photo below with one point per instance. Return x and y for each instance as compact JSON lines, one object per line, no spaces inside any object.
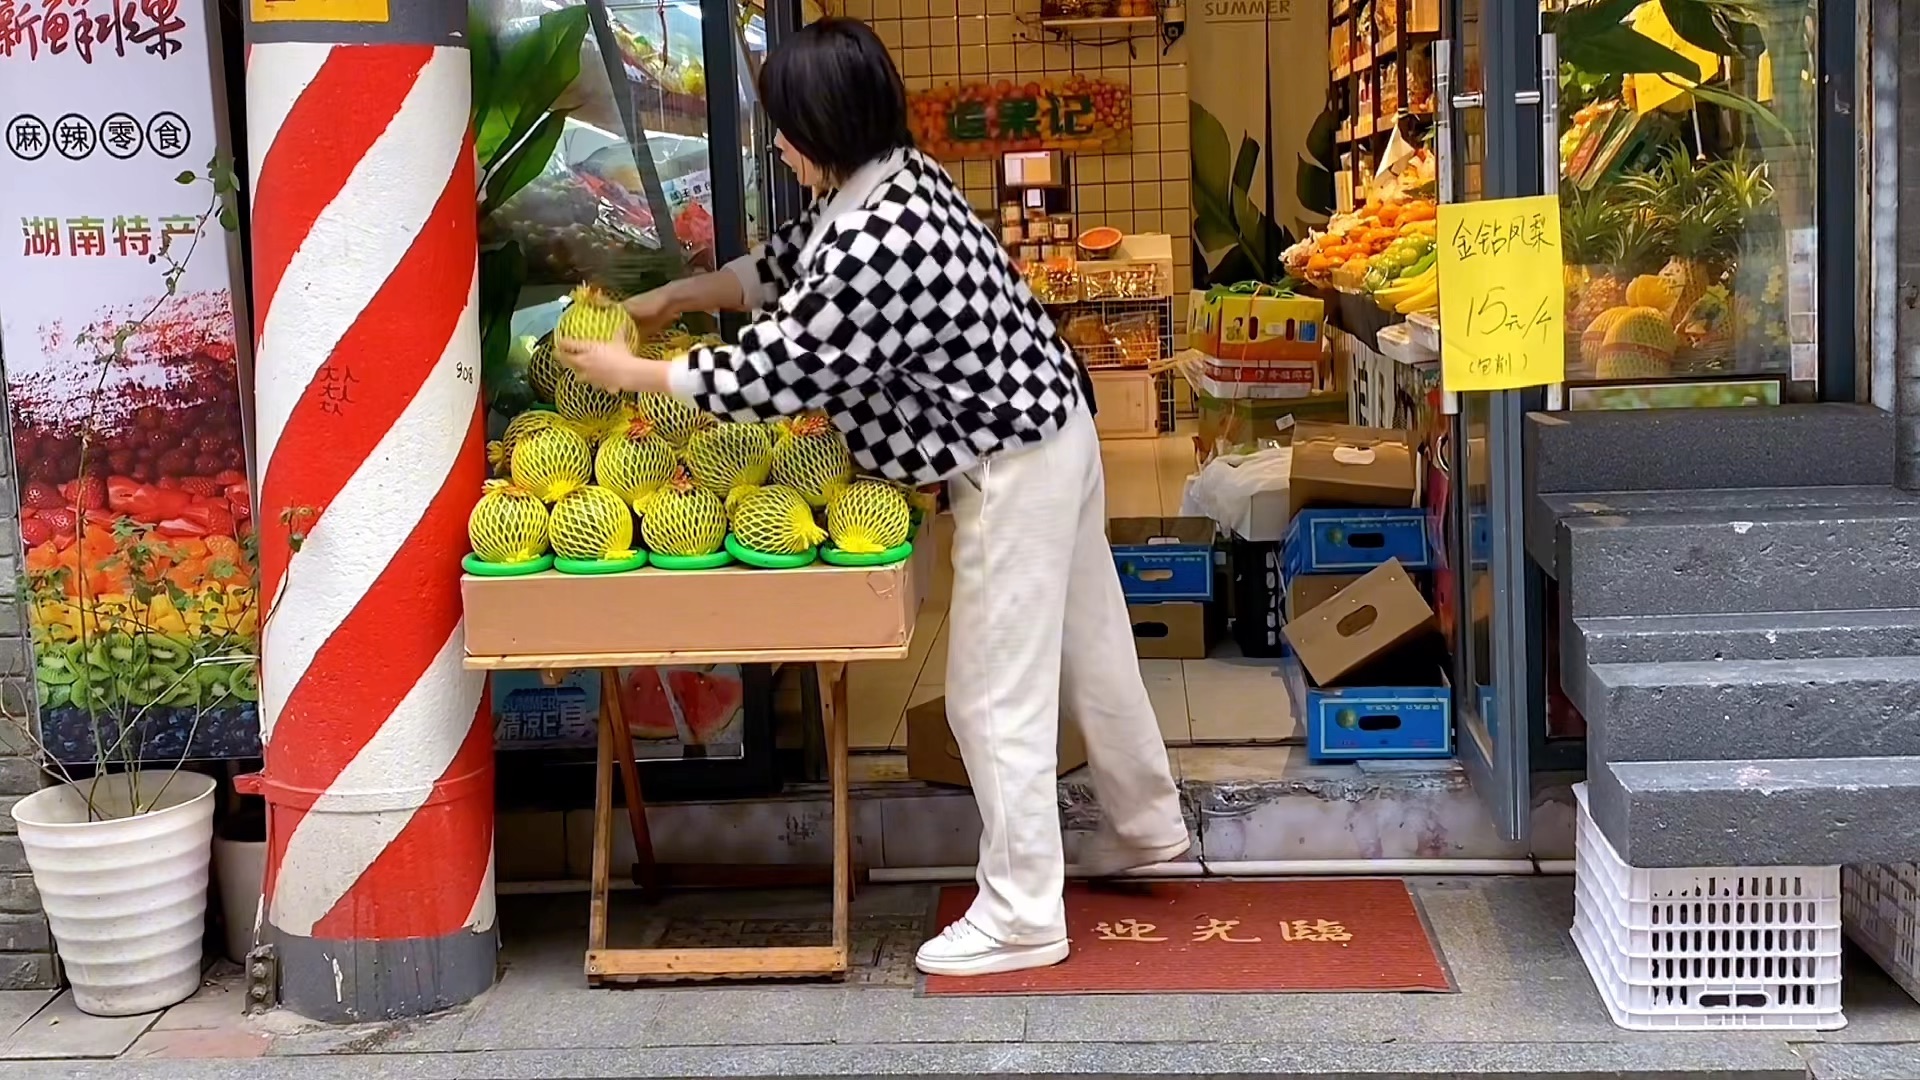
{"x":1487,"y":88}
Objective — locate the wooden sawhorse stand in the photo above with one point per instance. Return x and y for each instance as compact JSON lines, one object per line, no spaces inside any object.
{"x":615,"y":756}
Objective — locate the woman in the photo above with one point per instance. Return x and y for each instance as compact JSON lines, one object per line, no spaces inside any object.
{"x":889,"y":305}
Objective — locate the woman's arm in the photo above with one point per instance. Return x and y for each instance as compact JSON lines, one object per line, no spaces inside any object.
{"x":814,"y":346}
{"x":748,"y":283}
{"x":818,"y":341}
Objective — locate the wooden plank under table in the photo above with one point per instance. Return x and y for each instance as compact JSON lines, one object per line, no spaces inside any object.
{"x":605,"y":965}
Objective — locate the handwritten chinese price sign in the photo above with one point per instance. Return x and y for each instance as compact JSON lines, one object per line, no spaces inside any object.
{"x":986,"y":119}
{"x":1502,"y":300}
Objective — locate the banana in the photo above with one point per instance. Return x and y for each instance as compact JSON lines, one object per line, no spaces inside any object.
{"x":1421,"y":301}
{"x":1393,"y":294}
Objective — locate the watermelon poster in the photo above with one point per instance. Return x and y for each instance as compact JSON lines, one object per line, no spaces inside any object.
{"x":124,"y":382}
{"x":674,"y":712}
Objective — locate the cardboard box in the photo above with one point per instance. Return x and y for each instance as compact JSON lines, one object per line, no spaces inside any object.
{"x":933,"y":754}
{"x":729,"y":611}
{"x":1340,"y":465}
{"x":1257,"y":596}
{"x":1373,"y":722}
{"x":1239,"y":423}
{"x":1178,"y":631}
{"x":1308,"y":591}
{"x":1246,"y":326}
{"x":1365,"y":622}
{"x":1163,"y":559}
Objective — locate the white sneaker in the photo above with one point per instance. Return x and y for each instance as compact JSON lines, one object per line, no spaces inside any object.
{"x":965,"y":949}
{"x":1105,"y":855}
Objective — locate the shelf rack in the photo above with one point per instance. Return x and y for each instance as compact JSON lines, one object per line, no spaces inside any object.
{"x":1365,"y":62}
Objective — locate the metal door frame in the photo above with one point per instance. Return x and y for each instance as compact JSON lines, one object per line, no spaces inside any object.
{"x":1495,"y":744}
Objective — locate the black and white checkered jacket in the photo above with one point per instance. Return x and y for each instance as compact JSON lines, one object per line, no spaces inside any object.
{"x":891,"y":306}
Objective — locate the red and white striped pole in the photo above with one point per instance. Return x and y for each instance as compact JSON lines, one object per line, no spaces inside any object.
{"x":379,"y":767}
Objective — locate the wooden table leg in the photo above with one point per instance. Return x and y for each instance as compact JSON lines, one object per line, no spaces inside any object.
{"x":602,"y":849}
{"x":646,"y":870}
{"x":833,"y":686}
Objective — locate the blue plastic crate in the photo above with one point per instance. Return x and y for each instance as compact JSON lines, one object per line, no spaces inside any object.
{"x":1162,"y":560}
{"x":1352,"y":723}
{"x":1355,"y":541}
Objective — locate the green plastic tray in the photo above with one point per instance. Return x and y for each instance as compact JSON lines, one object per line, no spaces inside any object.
{"x":767,"y":560}
{"x":692,"y":562}
{"x":591,"y":567}
{"x":478,"y":567}
{"x":836,"y":557}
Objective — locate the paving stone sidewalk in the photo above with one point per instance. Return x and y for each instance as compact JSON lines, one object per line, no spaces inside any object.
{"x":1526,"y":1008}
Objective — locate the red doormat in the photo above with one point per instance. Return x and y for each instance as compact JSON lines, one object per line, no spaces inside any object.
{"x":1227,"y":937}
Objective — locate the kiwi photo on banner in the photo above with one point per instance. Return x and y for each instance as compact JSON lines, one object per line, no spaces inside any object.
{"x":123,"y":380}
{"x":1261,"y":133}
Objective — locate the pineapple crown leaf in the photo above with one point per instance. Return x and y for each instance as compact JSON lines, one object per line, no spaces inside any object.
{"x":591,"y":295}
{"x":808,"y":425}
{"x":640,"y":427}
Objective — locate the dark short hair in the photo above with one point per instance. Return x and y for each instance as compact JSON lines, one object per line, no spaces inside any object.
{"x":833,"y":91}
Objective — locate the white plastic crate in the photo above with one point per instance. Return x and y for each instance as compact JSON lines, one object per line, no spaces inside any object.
{"x":1708,"y":947}
{"x":1882,"y":916}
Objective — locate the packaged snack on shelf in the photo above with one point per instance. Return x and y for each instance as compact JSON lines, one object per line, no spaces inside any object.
{"x":1136,"y":335}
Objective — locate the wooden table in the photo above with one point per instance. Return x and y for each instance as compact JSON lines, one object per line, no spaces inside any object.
{"x":607,"y":965}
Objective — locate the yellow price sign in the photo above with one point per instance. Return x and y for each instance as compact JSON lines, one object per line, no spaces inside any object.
{"x":1502,"y":294}
{"x":339,"y":11}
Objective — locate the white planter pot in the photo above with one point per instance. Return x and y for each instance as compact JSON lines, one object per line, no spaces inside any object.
{"x":239,"y":872}
{"x":126,"y":895}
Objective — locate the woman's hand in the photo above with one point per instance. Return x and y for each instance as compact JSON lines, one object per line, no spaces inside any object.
{"x":610,"y":365}
{"x":653,"y":310}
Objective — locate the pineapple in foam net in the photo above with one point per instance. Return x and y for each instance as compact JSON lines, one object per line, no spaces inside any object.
{"x":635,"y":464}
{"x":775,"y":520}
{"x":868,"y":516}
{"x":681,"y":519}
{"x":508,"y":524}
{"x":810,"y":456}
{"x":552,"y":462}
{"x":591,"y":523}
{"x":593,"y":315}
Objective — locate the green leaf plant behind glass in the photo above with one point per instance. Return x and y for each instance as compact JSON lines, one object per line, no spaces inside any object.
{"x":516,"y":128}
{"x":1234,"y":239}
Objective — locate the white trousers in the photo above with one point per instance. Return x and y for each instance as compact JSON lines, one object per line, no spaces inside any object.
{"x":1037,"y":623}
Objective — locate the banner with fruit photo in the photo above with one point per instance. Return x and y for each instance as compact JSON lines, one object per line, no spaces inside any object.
{"x":123,"y":389}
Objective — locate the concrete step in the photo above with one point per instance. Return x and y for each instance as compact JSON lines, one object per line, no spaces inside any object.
{"x":1545,"y":510}
{"x":1693,"y":562}
{"x":1766,"y":812}
{"x":1733,"y":710}
{"x":1666,"y":449}
{"x":1767,"y":635}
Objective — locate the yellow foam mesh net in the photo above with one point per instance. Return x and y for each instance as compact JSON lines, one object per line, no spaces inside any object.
{"x":508,"y":524}
{"x":543,"y":369}
{"x":673,"y":419}
{"x":597,"y":413}
{"x":776,"y":520}
{"x":809,"y":456}
{"x":680,"y":519}
{"x":730,"y":456}
{"x":592,"y":523}
{"x":552,"y":462}
{"x":869,"y":516}
{"x":634,"y":465}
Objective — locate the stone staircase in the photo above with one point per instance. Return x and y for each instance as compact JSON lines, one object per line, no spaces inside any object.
{"x":1740,"y":628}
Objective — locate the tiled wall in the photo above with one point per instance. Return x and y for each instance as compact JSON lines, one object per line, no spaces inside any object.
{"x":944,"y":41}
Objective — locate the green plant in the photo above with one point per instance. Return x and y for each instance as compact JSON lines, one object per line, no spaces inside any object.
{"x":516,"y":128}
{"x":1235,"y":239}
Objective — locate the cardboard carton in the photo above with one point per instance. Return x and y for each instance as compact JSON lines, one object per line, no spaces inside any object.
{"x":1308,"y":591}
{"x":1361,"y":625}
{"x":1340,"y":465}
{"x":729,"y":611}
{"x":1179,"y":631}
{"x":933,"y":755}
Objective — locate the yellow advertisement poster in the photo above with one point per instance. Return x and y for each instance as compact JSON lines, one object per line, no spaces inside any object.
{"x":1502,"y":300}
